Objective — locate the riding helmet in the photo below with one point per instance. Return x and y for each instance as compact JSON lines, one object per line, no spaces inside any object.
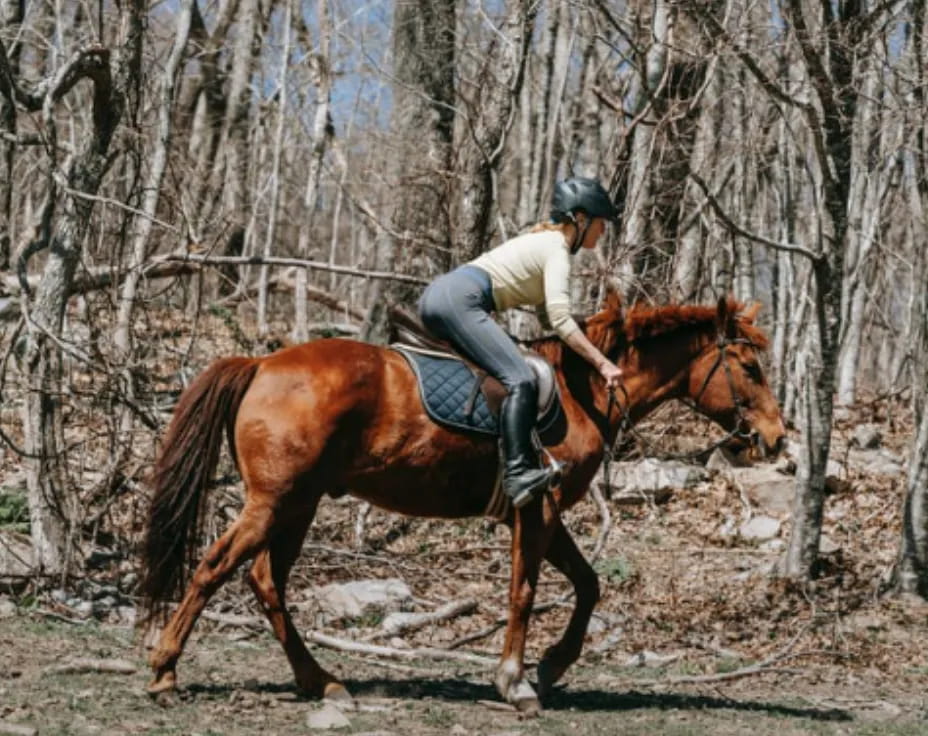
{"x":579,"y":194}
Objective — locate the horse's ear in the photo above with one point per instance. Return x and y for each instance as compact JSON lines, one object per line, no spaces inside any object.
{"x":613,"y":297}
{"x":725,"y":318}
{"x":750,"y":314}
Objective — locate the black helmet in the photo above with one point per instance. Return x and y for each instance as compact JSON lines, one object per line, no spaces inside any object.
{"x":583,"y":195}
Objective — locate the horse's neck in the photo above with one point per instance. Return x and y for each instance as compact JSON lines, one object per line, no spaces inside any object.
{"x":657,"y":372}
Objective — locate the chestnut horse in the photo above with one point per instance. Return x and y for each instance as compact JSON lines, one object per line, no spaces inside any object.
{"x":336,"y":416}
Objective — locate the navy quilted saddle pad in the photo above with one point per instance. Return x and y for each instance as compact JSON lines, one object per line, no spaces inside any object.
{"x":452,"y":396}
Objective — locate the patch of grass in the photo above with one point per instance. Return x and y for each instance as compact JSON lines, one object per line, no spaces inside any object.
{"x":14,"y":510}
{"x":615,"y":569}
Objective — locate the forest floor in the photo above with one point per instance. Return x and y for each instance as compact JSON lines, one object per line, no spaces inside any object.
{"x":686,"y":607}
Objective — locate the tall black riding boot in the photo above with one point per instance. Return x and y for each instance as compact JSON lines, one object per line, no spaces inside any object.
{"x":522,"y":476}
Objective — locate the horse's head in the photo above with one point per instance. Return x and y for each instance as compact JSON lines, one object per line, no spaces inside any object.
{"x":727,"y":383}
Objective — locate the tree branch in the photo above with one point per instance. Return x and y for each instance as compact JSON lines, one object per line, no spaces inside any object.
{"x":736,"y":228}
{"x":298,"y":262}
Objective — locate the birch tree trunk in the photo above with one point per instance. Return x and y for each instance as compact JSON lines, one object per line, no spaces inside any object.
{"x":271,"y":231}
{"x":868,"y":187}
{"x":638,"y":201}
{"x":322,"y":133}
{"x":912,"y":567}
{"x":832,"y":79}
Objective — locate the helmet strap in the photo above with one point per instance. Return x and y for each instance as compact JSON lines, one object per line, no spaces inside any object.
{"x":581,"y":235}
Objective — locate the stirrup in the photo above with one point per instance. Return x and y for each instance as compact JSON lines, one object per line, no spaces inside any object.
{"x":527,"y":494}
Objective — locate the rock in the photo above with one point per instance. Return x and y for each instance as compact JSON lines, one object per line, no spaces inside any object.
{"x":867,"y":436}
{"x":7,"y":608}
{"x":649,"y":479}
{"x":326,"y":718}
{"x":877,"y":462}
{"x":826,"y":545}
{"x":84,"y":609}
{"x":765,"y":487}
{"x":355,"y":599}
{"x":60,"y":596}
{"x":759,"y":529}
{"x":773,"y":545}
{"x":458,"y":730}
{"x":723,"y":459}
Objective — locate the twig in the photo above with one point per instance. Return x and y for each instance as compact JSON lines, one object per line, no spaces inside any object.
{"x":346,"y":645}
{"x":112,"y":666}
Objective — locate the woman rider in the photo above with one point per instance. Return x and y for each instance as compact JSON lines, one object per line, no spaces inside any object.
{"x":529,"y":270}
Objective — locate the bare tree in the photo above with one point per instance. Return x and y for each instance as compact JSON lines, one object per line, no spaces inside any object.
{"x":423,"y":126}
{"x":114,"y":76}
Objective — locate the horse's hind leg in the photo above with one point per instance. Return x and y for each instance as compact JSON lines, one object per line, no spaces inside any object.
{"x":246,"y":535}
{"x":564,"y":555}
{"x":268,"y":579}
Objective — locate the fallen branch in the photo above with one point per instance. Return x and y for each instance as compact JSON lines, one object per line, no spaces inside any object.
{"x":231,"y":619}
{"x":112,"y":666}
{"x":16,"y":729}
{"x":345,"y":645}
{"x":764,"y":666}
{"x":403,"y":623}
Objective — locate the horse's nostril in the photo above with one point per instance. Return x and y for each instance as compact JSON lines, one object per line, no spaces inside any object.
{"x":778,"y":445}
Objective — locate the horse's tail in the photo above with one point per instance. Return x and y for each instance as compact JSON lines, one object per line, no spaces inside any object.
{"x":182,"y":473}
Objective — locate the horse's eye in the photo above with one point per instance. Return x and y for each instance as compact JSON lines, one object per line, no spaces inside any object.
{"x":753,"y":371}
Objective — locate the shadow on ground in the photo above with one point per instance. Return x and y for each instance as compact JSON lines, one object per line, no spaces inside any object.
{"x":577,"y":699}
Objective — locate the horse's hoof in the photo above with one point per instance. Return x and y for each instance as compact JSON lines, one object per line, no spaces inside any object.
{"x":524,"y":699}
{"x":548,"y":674}
{"x":338,"y":695}
{"x":528,"y":707}
{"x":164,"y":682}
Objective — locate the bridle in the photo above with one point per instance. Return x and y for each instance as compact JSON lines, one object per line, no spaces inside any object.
{"x":626,"y":425}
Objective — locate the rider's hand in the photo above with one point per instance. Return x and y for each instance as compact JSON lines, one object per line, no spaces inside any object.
{"x":611,"y":373}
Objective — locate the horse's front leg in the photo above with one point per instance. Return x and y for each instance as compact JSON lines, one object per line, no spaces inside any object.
{"x":531,"y":534}
{"x":563,"y":554}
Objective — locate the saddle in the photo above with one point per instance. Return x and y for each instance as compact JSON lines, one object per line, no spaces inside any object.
{"x":457,"y":393}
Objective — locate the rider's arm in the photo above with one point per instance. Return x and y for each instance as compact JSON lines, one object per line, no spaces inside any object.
{"x":557,"y":307}
{"x":581,"y":345}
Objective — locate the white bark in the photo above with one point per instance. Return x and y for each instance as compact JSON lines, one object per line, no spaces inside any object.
{"x":638,"y":202}
{"x":275,"y":168}
{"x":322,"y":128}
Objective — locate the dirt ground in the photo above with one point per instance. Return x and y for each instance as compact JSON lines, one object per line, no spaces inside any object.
{"x":727,"y":647}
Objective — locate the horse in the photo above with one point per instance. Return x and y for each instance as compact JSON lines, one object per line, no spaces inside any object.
{"x":336,"y":416}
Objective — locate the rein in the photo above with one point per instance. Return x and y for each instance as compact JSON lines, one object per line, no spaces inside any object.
{"x":626,"y":424}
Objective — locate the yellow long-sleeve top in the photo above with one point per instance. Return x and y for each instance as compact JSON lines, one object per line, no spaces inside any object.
{"x":533,"y":270}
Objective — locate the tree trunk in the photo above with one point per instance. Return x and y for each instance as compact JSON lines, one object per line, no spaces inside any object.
{"x":423,"y":121}
{"x":51,"y":507}
{"x":833,"y":82}
{"x":322,"y":133}
{"x":638,"y":203}
{"x":484,"y":132}
{"x":271,"y":231}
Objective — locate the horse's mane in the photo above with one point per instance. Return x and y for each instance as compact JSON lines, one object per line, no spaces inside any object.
{"x":612,"y":331}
